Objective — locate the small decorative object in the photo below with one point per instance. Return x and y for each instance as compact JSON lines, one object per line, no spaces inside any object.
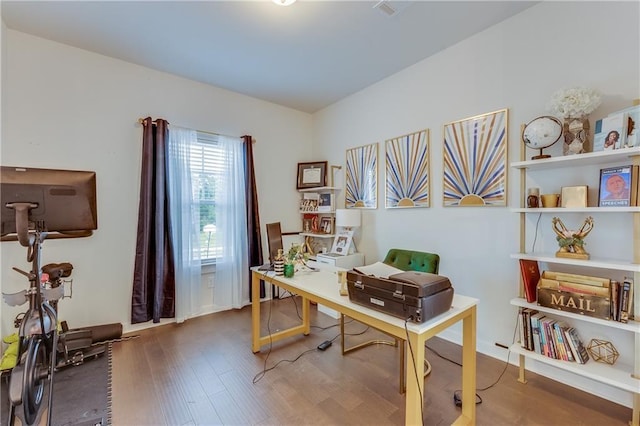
{"x":550,"y":200}
{"x":574,"y":105}
{"x":540,"y":133}
{"x":408,"y":176}
{"x":475,"y":161}
{"x":362,"y":177}
{"x":572,"y":242}
{"x":312,"y":175}
{"x":603,"y":351}
{"x":533,"y":198}
{"x":574,"y":196}
{"x":278,"y":263}
{"x":293,"y":257}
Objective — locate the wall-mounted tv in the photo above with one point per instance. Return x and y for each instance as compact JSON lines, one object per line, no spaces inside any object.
{"x":60,"y":202}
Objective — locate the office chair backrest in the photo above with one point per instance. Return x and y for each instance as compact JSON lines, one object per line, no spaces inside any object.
{"x":409,"y":260}
{"x":274,"y":239}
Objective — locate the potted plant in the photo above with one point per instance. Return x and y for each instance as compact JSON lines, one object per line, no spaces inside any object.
{"x":294,"y":256}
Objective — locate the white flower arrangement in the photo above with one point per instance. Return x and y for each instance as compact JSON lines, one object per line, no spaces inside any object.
{"x":574,"y":102}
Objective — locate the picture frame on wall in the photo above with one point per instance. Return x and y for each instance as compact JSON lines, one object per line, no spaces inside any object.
{"x":362,"y":177}
{"x":407,"y":171}
{"x":475,"y":161}
{"x":312,"y":174}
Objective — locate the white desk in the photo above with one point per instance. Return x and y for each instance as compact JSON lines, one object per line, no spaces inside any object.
{"x":322,"y":287}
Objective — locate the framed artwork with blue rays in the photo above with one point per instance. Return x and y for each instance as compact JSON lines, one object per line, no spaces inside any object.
{"x":475,"y":161}
{"x":362,"y":177}
{"x":407,"y":171}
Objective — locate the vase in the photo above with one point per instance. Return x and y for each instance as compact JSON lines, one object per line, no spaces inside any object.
{"x":576,"y":135}
{"x":289,"y":269}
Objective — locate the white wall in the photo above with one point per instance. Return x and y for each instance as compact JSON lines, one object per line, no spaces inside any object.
{"x":517,"y":64}
{"x":71,"y":109}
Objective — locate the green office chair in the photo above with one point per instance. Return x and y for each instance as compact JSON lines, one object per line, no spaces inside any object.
{"x":406,"y":260}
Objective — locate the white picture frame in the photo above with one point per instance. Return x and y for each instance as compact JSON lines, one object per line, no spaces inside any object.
{"x":342,"y":242}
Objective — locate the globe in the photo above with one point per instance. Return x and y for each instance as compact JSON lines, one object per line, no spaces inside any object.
{"x":542,"y":132}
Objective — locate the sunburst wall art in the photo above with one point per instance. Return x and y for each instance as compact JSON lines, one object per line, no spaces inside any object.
{"x":475,"y":160}
{"x":407,"y":167}
{"x":362,"y":177}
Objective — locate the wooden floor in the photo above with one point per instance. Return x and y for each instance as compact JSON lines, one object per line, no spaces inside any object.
{"x":203,"y":372}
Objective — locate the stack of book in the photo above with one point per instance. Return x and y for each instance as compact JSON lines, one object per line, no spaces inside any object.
{"x":549,"y":337}
{"x":622,"y":300}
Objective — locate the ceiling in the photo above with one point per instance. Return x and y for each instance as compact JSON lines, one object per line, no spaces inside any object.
{"x":305,"y":56}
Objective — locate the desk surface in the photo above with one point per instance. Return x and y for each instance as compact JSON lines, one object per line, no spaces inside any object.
{"x":323,"y":284}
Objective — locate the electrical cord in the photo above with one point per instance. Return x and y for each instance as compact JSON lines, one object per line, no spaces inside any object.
{"x":535,"y":235}
{"x":456,"y":394}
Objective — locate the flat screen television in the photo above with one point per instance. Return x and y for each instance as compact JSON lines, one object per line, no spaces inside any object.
{"x":60,"y":202}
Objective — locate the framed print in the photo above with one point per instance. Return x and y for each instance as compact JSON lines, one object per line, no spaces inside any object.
{"x":407,"y":171}
{"x":475,"y":161}
{"x":618,"y":186}
{"x":325,"y":225}
{"x":312,"y":175}
{"x":342,"y":242}
{"x":362,"y":177}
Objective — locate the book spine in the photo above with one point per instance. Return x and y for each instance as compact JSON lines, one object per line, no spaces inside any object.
{"x":572,"y":346}
{"x":625,"y":300}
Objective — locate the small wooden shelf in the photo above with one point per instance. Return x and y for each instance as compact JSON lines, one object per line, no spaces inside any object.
{"x":617,"y":375}
{"x":578,"y":160}
{"x":615,"y":264}
{"x":556,"y":210}
{"x":632,"y":326}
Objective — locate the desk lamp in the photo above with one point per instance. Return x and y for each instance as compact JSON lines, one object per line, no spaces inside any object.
{"x":348,"y":219}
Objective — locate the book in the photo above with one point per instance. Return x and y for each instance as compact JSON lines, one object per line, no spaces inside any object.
{"x":582,"y":356}
{"x":562,"y":341}
{"x":530,"y":277}
{"x":626,"y":299}
{"x":633,"y":121}
{"x":615,"y":301}
{"x":378,"y":269}
{"x":535,"y":331}
{"x":618,"y":186}
{"x":610,"y":132}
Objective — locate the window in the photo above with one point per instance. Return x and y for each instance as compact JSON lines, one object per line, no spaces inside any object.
{"x":207,"y":167}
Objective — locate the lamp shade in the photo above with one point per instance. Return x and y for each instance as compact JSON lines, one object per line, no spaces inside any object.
{"x":348,"y":218}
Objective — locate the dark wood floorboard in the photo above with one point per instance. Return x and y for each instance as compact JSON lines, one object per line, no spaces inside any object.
{"x":202,"y":372}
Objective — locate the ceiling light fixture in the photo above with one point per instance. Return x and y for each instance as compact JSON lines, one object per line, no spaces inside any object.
{"x":284,"y":2}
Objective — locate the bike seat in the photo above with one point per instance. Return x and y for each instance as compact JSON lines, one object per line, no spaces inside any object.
{"x":57,"y":270}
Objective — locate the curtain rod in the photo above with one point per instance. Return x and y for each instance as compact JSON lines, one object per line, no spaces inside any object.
{"x":141,"y":121}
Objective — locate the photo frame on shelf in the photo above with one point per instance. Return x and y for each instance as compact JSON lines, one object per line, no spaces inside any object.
{"x":407,"y":171}
{"x":362,"y":177}
{"x":342,"y":242}
{"x":326,"y":225}
{"x":475,"y":161}
{"x":610,"y":132}
{"x":312,"y":175}
{"x":326,"y":203}
{"x":618,"y":186}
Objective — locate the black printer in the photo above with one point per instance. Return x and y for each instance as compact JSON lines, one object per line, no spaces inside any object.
{"x":417,"y":296}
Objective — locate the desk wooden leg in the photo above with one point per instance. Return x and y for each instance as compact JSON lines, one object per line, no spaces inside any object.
{"x":306,"y":321}
{"x":415,"y":380}
{"x":468,"y":416}
{"x":255,"y":313}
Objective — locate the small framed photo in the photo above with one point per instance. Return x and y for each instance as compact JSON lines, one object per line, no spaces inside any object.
{"x":325,"y":225}
{"x":618,"y":186}
{"x":326,"y":203}
{"x":610,"y":132}
{"x":312,"y":175}
{"x":342,"y":242}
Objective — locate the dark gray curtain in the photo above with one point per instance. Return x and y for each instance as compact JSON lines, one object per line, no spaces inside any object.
{"x":154,"y":276}
{"x":253,"y":218}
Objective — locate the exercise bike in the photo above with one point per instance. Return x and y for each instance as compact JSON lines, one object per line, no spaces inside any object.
{"x":37,"y":339}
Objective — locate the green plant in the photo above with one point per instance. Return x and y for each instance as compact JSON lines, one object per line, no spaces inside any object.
{"x":295,"y":255}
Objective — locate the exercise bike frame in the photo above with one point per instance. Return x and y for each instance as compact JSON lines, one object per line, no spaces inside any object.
{"x":38,"y":339}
